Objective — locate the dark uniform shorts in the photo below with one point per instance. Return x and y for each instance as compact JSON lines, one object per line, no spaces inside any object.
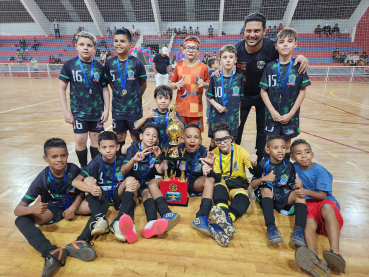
{"x":280,"y":196}
{"x":279,"y":129}
{"x":121,"y":126}
{"x":82,"y":127}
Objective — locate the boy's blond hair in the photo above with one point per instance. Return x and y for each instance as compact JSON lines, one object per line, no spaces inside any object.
{"x":88,"y":35}
{"x":227,"y":48}
{"x":287,"y":32}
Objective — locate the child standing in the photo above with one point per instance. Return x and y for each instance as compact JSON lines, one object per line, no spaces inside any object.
{"x":225,"y":92}
{"x":214,"y":65}
{"x":127,"y":77}
{"x":88,"y":96}
{"x":283,"y":89}
{"x":190,"y":77}
{"x":323,"y":218}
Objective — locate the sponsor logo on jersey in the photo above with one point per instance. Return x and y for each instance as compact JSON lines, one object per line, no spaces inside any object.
{"x":283,"y":180}
{"x":131,"y":75}
{"x":96,"y":76}
{"x":236,"y":91}
{"x":241,"y":66}
{"x":291,"y":80}
{"x":260,"y":64}
{"x":184,"y":94}
{"x":290,"y":131}
{"x":198,"y":167}
{"x":235,"y":166}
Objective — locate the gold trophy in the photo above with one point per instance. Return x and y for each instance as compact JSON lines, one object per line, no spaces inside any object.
{"x":174,"y":131}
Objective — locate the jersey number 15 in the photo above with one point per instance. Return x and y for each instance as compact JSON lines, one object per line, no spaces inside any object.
{"x":272,"y":78}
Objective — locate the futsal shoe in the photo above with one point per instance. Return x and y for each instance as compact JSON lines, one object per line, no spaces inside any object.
{"x":99,"y":227}
{"x":201,"y":224}
{"x":273,"y":235}
{"x":172,"y":218}
{"x":224,"y":221}
{"x":155,"y":228}
{"x":128,"y":228}
{"x":53,"y":260}
{"x":308,"y":261}
{"x":114,"y":228}
{"x":218,"y":234}
{"x":335,"y":262}
{"x":81,"y":250}
{"x":298,"y":236}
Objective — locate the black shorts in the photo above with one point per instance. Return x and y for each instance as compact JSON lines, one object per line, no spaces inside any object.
{"x":190,"y":190}
{"x":121,"y":126}
{"x":82,"y":127}
{"x":280,"y":196}
{"x":57,"y":209}
{"x":279,"y":129}
{"x":237,"y":183}
{"x":118,"y":199}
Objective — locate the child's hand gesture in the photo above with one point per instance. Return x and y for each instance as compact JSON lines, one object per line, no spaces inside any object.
{"x":219,"y":108}
{"x":134,"y":186}
{"x":69,"y":213}
{"x":253,"y":159}
{"x":180,"y":84}
{"x":284,"y":119}
{"x":209,"y":159}
{"x":39,"y":208}
{"x":275,"y":115}
{"x":95,"y":190}
{"x":270,"y":177}
{"x":68,"y":116}
{"x":156,"y":151}
{"x":150,"y":114}
{"x":200,"y":83}
{"x":301,"y":193}
{"x":140,"y":156}
{"x":205,"y":168}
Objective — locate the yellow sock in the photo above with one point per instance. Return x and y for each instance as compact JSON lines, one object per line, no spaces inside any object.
{"x":222,"y":205}
{"x":233,"y":217}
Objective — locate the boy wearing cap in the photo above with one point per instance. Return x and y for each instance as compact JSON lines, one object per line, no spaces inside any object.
{"x":160,"y":65}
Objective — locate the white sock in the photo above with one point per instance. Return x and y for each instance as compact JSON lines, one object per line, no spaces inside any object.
{"x":134,"y":228}
{"x":149,"y":224}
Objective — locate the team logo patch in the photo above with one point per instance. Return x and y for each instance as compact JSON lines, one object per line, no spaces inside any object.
{"x":131,"y":75}
{"x":184,"y":94}
{"x":235,"y":166}
{"x":152,"y":162}
{"x":198,"y":167}
{"x":99,"y":125}
{"x":241,"y":66}
{"x":290,"y":131}
{"x":236,"y":91}
{"x":291,"y":80}
{"x":198,"y":123}
{"x":260,"y":64}
{"x":96,"y":76}
{"x":120,"y":177}
{"x":283,"y":180}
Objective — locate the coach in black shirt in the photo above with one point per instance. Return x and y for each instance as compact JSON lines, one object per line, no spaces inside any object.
{"x":160,"y":65}
{"x":253,"y":54}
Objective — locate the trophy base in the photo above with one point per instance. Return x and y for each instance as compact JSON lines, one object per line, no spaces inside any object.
{"x":173,"y":155}
{"x":175,"y":192}
{"x":174,"y":142}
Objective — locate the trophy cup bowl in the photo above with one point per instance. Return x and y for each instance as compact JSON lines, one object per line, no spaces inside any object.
{"x":174,"y":131}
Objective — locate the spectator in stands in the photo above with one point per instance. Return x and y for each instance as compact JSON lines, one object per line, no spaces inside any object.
{"x":179,"y":32}
{"x":280,"y":27}
{"x":327,"y":30}
{"x":355,"y":59}
{"x":22,"y":43}
{"x":102,"y":57}
{"x":114,"y":30}
{"x":57,"y":60}
{"x":206,"y":58}
{"x":180,"y":56}
{"x":35,"y":43}
{"x":190,"y":31}
{"x":274,"y":32}
{"x":363,"y":58}
{"x":134,"y":31}
{"x":102,"y":42}
{"x":168,"y":32}
{"x":210,"y":31}
{"x":109,"y":33}
{"x":343,"y":58}
{"x":83,"y":29}
{"x":107,"y":52}
{"x":336,"y":55}
{"x":184,"y":32}
{"x":79,"y":29}
{"x":34,"y":64}
{"x":348,"y":59}
{"x":74,"y":40}
{"x":214,"y":55}
{"x":318,"y":31}
{"x":21,"y":51}
{"x":242,"y":30}
{"x":197,"y":31}
{"x":268,"y":32}
{"x":18,"y":56}
{"x":56,"y":28}
{"x":336,"y":30}
{"x":51,"y":59}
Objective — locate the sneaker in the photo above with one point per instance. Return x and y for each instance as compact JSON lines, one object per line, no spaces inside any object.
{"x":223,"y":220}
{"x":154,"y":228}
{"x":172,"y":218}
{"x":99,"y":227}
{"x":334,"y":261}
{"x":81,"y":250}
{"x":128,"y":228}
{"x":308,"y":261}
{"x":298,"y":237}
{"x":53,"y":260}
{"x":218,"y":234}
{"x":201,"y":224}
{"x":114,"y":228}
{"x":274,"y":235}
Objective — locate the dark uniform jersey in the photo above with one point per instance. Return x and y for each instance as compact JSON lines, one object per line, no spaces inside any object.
{"x":234,"y":92}
{"x":95,"y":169}
{"x":251,"y":66}
{"x":160,"y":121}
{"x":84,"y":106}
{"x":42,"y":186}
{"x":139,"y":169}
{"x":269,"y":82}
{"x":126,"y":104}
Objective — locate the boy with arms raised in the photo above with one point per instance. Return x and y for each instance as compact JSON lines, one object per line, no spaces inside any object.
{"x":225,"y":92}
{"x":323,"y":218}
{"x":141,"y":164}
{"x":189,"y":78}
{"x":88,"y":96}
{"x":55,"y":198}
{"x":283,"y":89}
{"x":127,"y":77}
{"x":229,"y":164}
{"x":273,"y":189}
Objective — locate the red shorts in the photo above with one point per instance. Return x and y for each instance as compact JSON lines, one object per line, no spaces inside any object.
{"x":314,"y":211}
{"x":195,"y":120}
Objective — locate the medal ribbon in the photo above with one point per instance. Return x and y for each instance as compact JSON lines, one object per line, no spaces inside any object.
{"x":113,"y":177}
{"x":231,"y":166}
{"x":84,"y":74}
{"x":123,"y":80}
{"x":166,"y":124}
{"x":285,"y":80}
{"x":193,"y":165}
{"x":224,"y":94}
{"x":66,"y":205}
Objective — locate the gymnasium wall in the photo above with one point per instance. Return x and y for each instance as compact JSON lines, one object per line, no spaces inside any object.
{"x":361,"y":35}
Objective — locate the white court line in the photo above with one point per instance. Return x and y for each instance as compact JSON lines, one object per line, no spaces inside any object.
{"x":29,"y":106}
{"x":344,"y":101}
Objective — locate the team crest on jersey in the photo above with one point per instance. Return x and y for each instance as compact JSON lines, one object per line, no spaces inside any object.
{"x":120,"y":177}
{"x":198,"y":167}
{"x":184,"y":94}
{"x":283,"y":180}
{"x":131,"y":75}
{"x":241,"y":66}
{"x":198,"y":123}
{"x":152,"y":162}
{"x":236,"y":91}
{"x":260,"y":64}
{"x":235,"y":166}
{"x":96,"y":76}
{"x":290,"y":131}
{"x":291,"y":80}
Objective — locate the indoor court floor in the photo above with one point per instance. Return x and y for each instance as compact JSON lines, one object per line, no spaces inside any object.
{"x":334,"y":119}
